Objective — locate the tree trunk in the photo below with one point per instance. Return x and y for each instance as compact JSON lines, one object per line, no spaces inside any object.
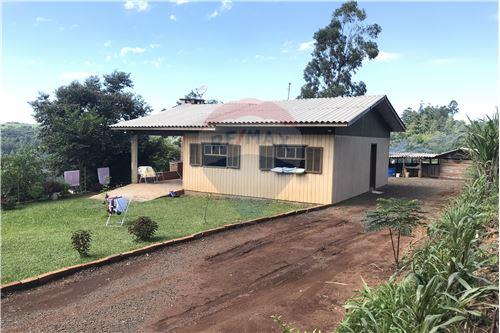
{"x":399,"y":236}
{"x":393,"y":249}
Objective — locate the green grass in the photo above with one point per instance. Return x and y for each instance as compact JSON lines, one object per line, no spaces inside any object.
{"x":36,"y":237}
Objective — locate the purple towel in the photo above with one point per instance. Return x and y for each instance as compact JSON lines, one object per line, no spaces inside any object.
{"x":103,"y":175}
{"x":72,"y":177}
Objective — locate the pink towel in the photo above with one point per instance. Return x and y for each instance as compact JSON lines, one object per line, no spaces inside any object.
{"x":72,"y":177}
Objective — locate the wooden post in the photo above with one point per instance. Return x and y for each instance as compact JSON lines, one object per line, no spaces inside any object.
{"x":404,"y":169}
{"x":420,"y":168}
{"x":134,"y":143}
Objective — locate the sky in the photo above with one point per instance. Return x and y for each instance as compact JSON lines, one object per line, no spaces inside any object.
{"x":429,"y":52}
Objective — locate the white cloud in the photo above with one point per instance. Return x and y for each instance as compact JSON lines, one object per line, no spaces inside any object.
{"x":172,"y":17}
{"x":41,"y":19}
{"x":108,"y":58}
{"x":443,"y":61}
{"x":107,"y":44}
{"x":138,"y":5}
{"x":135,"y":50}
{"x":74,"y":26}
{"x":225,"y":6}
{"x":180,"y":2}
{"x":154,"y":46}
{"x":387,"y":56}
{"x":71,"y":76}
{"x":306,"y":45}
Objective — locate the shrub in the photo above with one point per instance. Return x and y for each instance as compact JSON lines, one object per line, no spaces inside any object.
{"x":8,"y":203}
{"x":53,"y":186}
{"x":81,"y":242}
{"x":400,"y":216}
{"x":143,"y":228}
{"x":36,"y":191}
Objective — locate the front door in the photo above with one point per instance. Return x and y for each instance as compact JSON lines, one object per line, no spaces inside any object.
{"x":373,"y":166}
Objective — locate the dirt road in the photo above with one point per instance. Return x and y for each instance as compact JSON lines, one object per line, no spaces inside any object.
{"x":302,"y":267}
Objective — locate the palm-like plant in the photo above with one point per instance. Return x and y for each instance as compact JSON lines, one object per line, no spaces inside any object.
{"x":481,"y":138}
{"x":400,"y":216}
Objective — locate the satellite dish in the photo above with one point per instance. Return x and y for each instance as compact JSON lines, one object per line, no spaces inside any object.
{"x":201,"y":90}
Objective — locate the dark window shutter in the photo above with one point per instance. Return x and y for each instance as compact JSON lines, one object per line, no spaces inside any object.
{"x":266,"y":157}
{"x":195,"y":154}
{"x":233,"y":156}
{"x":314,"y":159}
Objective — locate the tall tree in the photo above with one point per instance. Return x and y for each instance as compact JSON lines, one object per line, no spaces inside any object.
{"x":74,"y":125}
{"x":431,"y":128}
{"x":339,"y":50}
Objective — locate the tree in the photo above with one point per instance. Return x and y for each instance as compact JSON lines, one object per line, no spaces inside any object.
{"x":339,"y":50}
{"x":400,"y":216}
{"x":431,"y":128}
{"x":194,"y":94}
{"x":74,"y":125}
{"x":23,"y":173}
{"x":15,"y":136}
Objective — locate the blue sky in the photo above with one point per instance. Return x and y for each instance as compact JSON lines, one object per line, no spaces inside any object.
{"x":430,"y":52}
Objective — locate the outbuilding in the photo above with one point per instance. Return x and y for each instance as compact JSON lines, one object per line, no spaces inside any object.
{"x":451,"y":164}
{"x":321,"y":150}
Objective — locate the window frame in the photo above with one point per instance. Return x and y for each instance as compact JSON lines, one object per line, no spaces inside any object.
{"x":203,"y":145}
{"x":313,"y":151}
{"x":199,"y":154}
{"x":285,"y":157}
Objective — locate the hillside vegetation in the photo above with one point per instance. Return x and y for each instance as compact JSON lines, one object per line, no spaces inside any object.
{"x":431,"y":129}
{"x":15,"y":136}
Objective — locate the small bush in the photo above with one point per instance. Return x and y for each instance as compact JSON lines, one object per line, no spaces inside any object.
{"x":53,"y":186}
{"x":81,"y":242}
{"x":143,"y":228}
{"x":95,"y":187}
{"x":36,"y":191}
{"x":8,"y":203}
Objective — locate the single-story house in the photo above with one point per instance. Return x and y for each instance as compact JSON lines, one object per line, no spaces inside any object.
{"x":448,"y":165}
{"x":321,"y":150}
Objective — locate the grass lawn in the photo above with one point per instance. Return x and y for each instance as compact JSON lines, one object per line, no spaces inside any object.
{"x":36,"y":237}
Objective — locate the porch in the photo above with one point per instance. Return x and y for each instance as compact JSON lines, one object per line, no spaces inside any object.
{"x":145,"y":192}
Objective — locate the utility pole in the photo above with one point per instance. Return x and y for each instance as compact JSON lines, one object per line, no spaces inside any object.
{"x":289,"y":84}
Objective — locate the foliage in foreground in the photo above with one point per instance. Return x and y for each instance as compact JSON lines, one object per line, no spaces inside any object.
{"x":81,"y":242}
{"x":482,"y":140}
{"x":444,"y":290}
{"x":400,"y":216}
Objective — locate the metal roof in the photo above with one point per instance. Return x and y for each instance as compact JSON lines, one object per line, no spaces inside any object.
{"x":412,"y":155}
{"x":337,"y":111}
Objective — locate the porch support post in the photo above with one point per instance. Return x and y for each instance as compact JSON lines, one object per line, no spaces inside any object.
{"x":134,"y":143}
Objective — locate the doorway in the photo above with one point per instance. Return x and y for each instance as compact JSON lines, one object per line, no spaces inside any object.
{"x":373,"y":166}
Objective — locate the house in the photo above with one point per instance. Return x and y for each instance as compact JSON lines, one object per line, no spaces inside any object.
{"x":321,"y":150}
{"x":448,"y":165}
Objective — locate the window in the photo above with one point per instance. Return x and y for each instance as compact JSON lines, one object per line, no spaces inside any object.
{"x":309,"y":158}
{"x":266,"y":157}
{"x":233,"y":156}
{"x":195,"y":154}
{"x":290,"y":156}
{"x":314,"y":159}
{"x":215,"y":154}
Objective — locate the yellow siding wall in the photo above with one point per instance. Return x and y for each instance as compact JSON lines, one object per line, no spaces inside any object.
{"x":249,"y":180}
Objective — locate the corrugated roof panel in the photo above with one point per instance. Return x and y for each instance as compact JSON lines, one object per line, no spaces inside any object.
{"x":337,"y":110}
{"x":412,"y":155}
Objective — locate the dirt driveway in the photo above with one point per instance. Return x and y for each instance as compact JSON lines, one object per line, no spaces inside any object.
{"x":302,"y":267}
